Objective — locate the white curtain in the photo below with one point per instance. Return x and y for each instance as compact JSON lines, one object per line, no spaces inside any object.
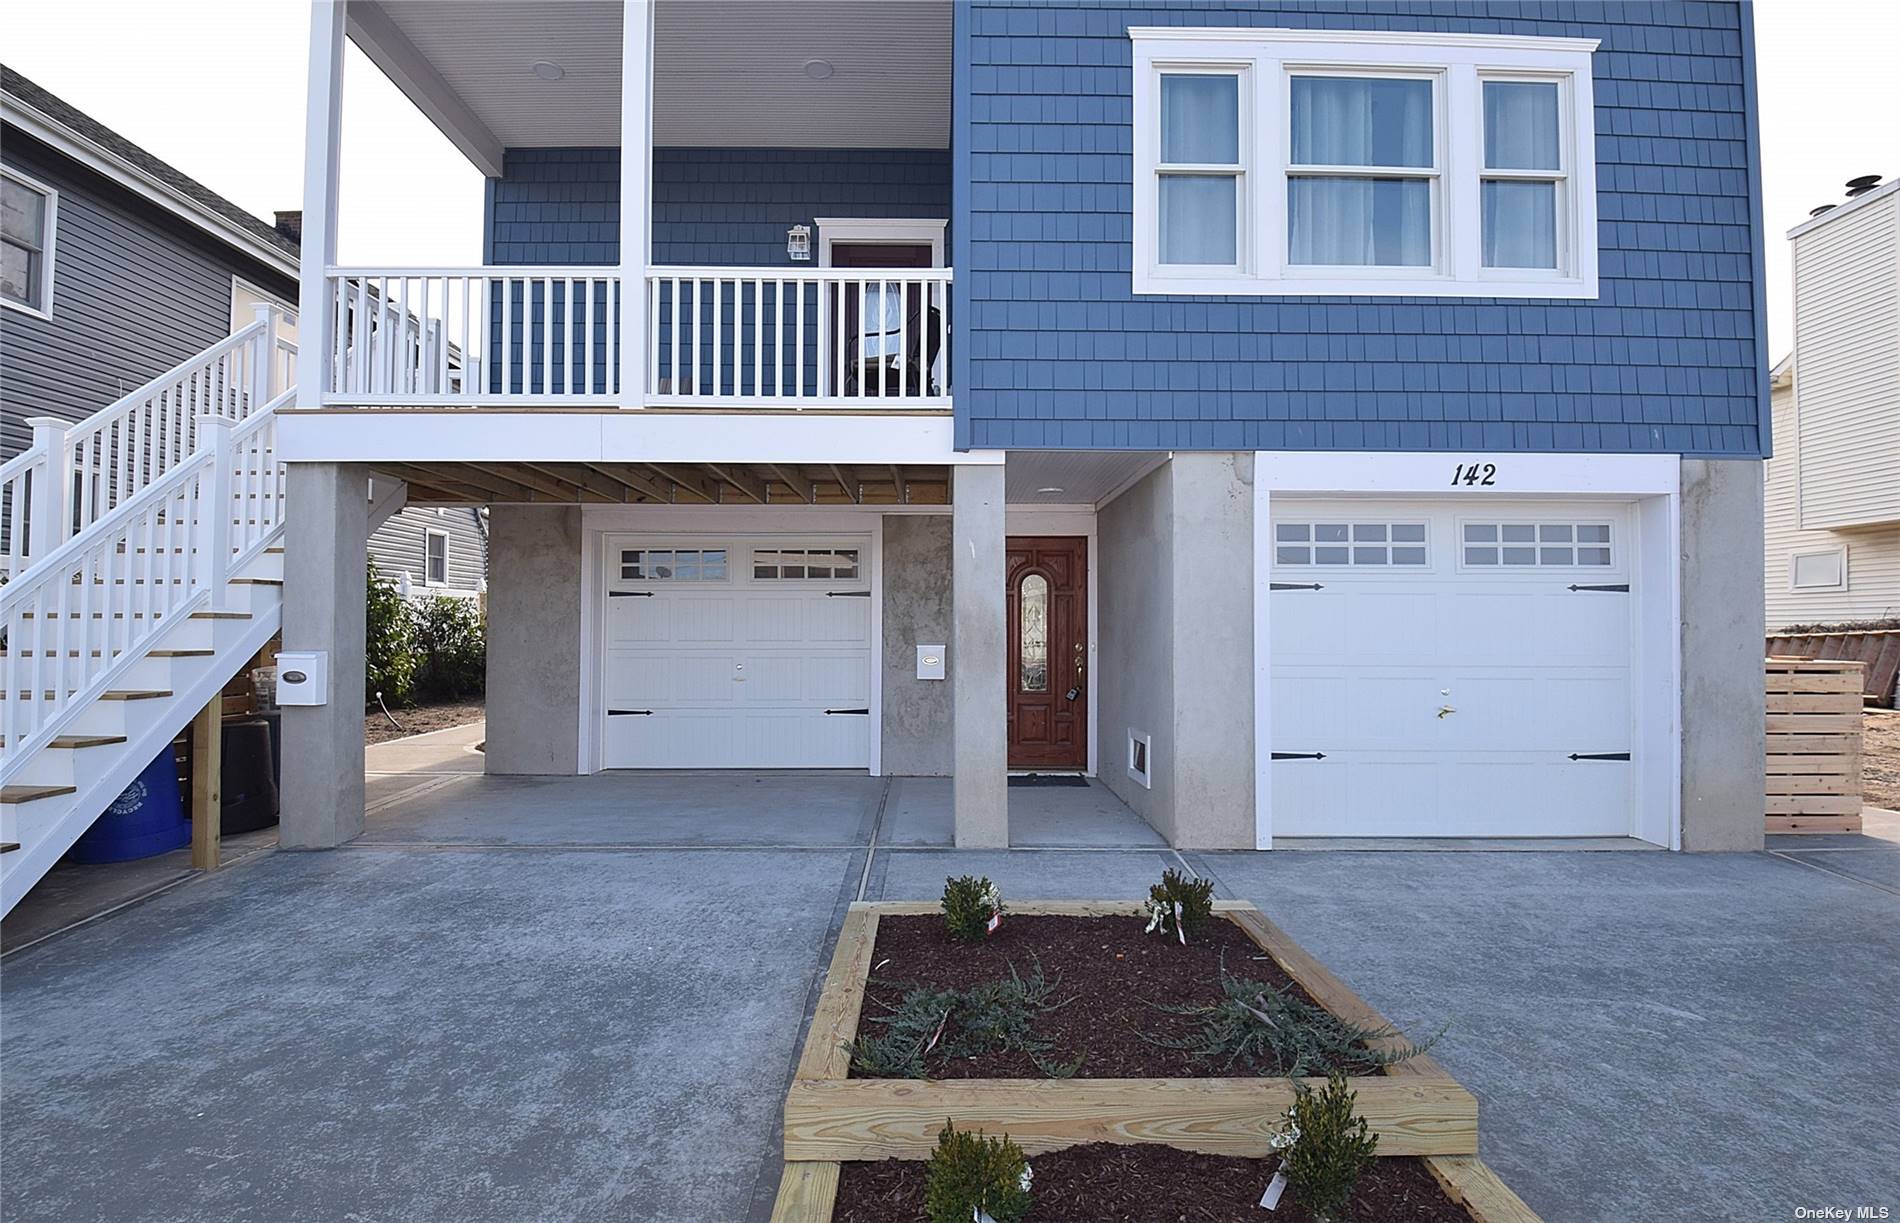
{"x":1359,"y":222}
{"x":1520,"y":126}
{"x":1200,"y":125}
{"x":1361,"y":121}
{"x":1199,"y":219}
{"x":1520,"y":224}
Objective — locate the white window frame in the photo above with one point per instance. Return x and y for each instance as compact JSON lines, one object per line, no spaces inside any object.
{"x":1268,"y":59}
{"x":1839,"y":550}
{"x":44,"y":308}
{"x":429,"y":536}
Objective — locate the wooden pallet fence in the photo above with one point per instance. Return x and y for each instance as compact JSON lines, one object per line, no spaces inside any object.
{"x":1415,"y":1107}
{"x":1814,"y":745}
{"x":1878,"y":648}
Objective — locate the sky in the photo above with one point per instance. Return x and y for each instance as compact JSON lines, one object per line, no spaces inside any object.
{"x":1829,"y":97}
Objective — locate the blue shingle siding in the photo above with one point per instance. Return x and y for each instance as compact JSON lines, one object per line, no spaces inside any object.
{"x":1056,"y":351}
{"x":711,"y":208}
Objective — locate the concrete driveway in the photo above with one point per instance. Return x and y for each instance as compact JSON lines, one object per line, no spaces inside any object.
{"x":507,"y":1003}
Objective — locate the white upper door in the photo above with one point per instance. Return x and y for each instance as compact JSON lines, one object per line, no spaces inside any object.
{"x":1462,"y":669}
{"x":737,"y":653}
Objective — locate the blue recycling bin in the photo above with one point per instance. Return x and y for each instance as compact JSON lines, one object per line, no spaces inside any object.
{"x":147,"y":819}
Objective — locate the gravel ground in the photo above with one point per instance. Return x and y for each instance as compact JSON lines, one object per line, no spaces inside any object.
{"x":420,"y":720}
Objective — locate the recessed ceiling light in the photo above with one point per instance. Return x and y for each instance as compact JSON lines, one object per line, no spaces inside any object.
{"x":819,"y":69}
{"x":1050,"y":491}
{"x":548,"y":70}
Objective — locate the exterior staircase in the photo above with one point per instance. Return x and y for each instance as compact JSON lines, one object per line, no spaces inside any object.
{"x":143,"y":570}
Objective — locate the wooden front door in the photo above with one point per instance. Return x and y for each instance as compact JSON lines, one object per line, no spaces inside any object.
{"x":1048,"y":609}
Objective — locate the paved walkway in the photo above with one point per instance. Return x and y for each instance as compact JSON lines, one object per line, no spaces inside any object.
{"x":509,"y":1002}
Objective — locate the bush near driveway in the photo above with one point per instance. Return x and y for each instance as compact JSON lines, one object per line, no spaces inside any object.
{"x":429,"y":650}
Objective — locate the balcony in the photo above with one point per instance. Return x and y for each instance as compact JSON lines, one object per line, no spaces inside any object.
{"x":719,"y":338}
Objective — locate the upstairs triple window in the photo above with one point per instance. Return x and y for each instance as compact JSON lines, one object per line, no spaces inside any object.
{"x":1316,"y":162}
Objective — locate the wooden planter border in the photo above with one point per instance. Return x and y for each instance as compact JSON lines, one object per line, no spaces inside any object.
{"x":1415,"y":1107}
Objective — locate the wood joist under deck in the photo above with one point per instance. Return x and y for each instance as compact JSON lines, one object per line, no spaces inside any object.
{"x":672,"y":483}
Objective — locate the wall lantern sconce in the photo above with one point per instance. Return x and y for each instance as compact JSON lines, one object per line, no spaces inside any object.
{"x":798,"y":243}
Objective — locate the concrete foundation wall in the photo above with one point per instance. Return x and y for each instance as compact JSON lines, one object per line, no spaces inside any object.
{"x":326,"y":542}
{"x":978,"y":646}
{"x":534,"y":639}
{"x":1723,"y":706}
{"x":917,"y":712}
{"x":1176,"y":625}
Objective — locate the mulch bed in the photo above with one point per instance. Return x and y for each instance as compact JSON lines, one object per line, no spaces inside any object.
{"x":1103,"y":1183}
{"x":420,"y":720}
{"x":1112,"y":971}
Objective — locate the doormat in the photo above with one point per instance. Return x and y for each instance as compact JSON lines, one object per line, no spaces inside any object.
{"x":1049,"y":779}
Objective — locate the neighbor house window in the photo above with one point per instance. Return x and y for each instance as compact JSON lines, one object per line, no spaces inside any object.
{"x":1363,"y":162}
{"x":435,"y":558}
{"x":28,"y":222}
{"x":1822,"y":570}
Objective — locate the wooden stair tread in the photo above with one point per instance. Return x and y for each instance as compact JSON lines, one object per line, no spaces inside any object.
{"x":179,"y":653}
{"x":27,"y":794}
{"x":257,"y":581}
{"x":7,"y":847}
{"x":73,"y":743}
{"x":135,"y":694}
{"x":220,"y":615}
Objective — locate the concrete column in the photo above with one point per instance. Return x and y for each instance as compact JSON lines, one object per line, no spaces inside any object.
{"x":917,"y":712}
{"x":326,"y":550}
{"x":978,"y":646}
{"x":534,"y":640}
{"x":1724,"y":744}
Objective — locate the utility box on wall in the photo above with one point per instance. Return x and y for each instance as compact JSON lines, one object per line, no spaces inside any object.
{"x":303,"y":679}
{"x":929,"y":662}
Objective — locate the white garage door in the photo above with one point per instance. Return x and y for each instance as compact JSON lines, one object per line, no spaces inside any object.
{"x":737,"y":653}
{"x":1451,"y":669}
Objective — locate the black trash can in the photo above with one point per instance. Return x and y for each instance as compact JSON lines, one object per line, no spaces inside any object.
{"x":249,"y":776}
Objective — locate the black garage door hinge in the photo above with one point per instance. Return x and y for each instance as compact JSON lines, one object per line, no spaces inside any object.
{"x":847,"y":594}
{"x":1299,"y":755}
{"x":1295,"y":586}
{"x":629,"y":713}
{"x":829,"y":712}
{"x":1599,"y":755}
{"x":1621,"y":588}
{"x":630,"y":594}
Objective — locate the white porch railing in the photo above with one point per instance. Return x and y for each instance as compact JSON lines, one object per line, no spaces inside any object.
{"x":87,"y":611}
{"x":724,"y":338}
{"x":73,"y":475}
{"x":870,"y":338}
{"x":461,"y":336}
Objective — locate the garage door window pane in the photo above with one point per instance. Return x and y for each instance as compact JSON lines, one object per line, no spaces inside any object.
{"x":1348,"y":543}
{"x":1293,"y":556}
{"x":1408,"y":532}
{"x":1293,"y":532}
{"x":673,"y":564}
{"x":1481,"y":533}
{"x":1408,"y":556}
{"x":1557,"y":545}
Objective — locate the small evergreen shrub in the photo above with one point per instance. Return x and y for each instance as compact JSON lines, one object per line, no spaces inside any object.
{"x":992,"y":1016}
{"x":389,"y":643}
{"x":451,"y":644}
{"x":1332,"y":1150}
{"x":968,"y":905}
{"x":1180,"y":904}
{"x":969,"y":1172}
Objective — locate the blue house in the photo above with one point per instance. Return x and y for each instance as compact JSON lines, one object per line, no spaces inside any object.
{"x":1292,"y":419}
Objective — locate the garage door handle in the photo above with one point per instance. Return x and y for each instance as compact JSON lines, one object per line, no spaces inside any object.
{"x":1599,"y":755}
{"x":628,"y":713}
{"x":1295,"y":586}
{"x":829,"y":712}
{"x":847,"y":594}
{"x":630,"y":594}
{"x":1619,"y":588}
{"x":1299,"y":755}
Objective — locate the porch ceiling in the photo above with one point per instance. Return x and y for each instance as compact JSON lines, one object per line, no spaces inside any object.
{"x":1073,"y":477}
{"x":727,"y":73}
{"x":672,"y":483}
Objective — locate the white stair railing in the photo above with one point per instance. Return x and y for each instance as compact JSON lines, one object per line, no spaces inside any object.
{"x":74,"y":475}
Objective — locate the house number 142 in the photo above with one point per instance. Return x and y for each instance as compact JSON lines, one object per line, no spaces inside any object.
{"x":1483,"y":475}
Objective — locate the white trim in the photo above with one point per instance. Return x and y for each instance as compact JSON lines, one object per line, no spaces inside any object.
{"x":100,"y":160}
{"x":614,"y":436}
{"x":428,"y":534}
{"x":322,"y":157}
{"x":1650,"y":484}
{"x":1072,"y":520}
{"x":1794,"y":558}
{"x":1384,"y":38}
{"x":880,"y":231}
{"x":379,"y":38}
{"x":1144,"y":776}
{"x":1459,"y":65}
{"x":49,"y":239}
{"x":636,"y":201}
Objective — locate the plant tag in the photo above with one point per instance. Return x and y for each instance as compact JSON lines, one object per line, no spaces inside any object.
{"x":1179,"y":929}
{"x":1275,"y":1187}
{"x":980,"y":1215}
{"x":995,"y":923}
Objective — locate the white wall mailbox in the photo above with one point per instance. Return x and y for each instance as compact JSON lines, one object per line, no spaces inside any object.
{"x":303,"y":679}
{"x":929,"y":662}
